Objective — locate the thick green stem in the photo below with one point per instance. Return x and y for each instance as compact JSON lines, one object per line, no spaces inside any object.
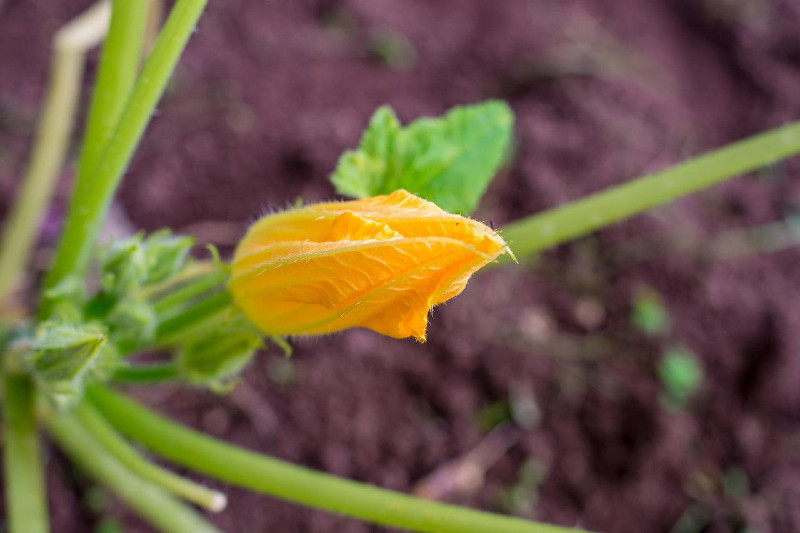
{"x":175,"y":300}
{"x":26,"y":501}
{"x":301,"y":485}
{"x":114,"y":443}
{"x":146,"y":373}
{"x":93,"y":194}
{"x":152,"y":503}
{"x":119,"y":65}
{"x":193,"y":318}
{"x":556,"y":226}
{"x":52,"y":140}
{"x":193,"y":304}
{"x":155,"y":14}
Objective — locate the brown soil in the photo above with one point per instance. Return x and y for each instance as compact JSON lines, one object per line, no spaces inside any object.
{"x":271,"y":92}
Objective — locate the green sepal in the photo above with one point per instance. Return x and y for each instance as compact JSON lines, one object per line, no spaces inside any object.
{"x":64,"y":300}
{"x":62,"y":356}
{"x":132,"y":323}
{"x":213,"y":359}
{"x":448,"y":160}
{"x":166,"y":255}
{"x":122,"y":265}
{"x":138,"y":261}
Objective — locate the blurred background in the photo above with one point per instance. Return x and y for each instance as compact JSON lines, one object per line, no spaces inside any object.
{"x":646,"y":378}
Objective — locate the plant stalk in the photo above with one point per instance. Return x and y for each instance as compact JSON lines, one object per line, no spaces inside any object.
{"x":186,"y":291}
{"x":297,"y":484}
{"x":561,"y":224}
{"x":26,"y":500}
{"x":146,"y":373}
{"x":106,"y":435}
{"x":194,"y":318}
{"x":150,"y":501}
{"x":93,"y":194}
{"x":119,"y":65}
{"x":51,"y":142}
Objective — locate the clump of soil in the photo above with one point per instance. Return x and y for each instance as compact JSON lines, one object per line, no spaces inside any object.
{"x":270,"y":93}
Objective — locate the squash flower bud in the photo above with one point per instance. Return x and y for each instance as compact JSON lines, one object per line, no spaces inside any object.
{"x":380,"y":263}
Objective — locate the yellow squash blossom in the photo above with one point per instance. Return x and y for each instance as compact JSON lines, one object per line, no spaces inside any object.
{"x":380,"y":263}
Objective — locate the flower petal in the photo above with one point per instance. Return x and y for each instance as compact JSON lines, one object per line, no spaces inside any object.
{"x":379,"y":263}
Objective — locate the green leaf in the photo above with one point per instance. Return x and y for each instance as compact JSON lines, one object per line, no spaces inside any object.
{"x":449,"y":160}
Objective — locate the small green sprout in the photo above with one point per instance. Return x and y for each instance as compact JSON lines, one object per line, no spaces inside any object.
{"x":493,"y":415}
{"x":282,"y":371}
{"x":649,"y":314}
{"x":393,"y":49}
{"x":735,"y":483}
{"x":693,"y":520}
{"x":109,"y":525}
{"x":521,"y":498}
{"x":681,"y":374}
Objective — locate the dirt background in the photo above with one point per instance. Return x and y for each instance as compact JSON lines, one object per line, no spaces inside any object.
{"x":270,"y":93}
